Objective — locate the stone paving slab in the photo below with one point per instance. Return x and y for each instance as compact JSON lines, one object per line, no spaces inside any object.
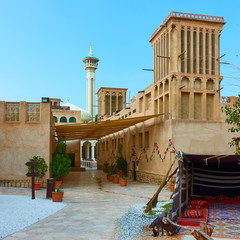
{"x":93,"y":207}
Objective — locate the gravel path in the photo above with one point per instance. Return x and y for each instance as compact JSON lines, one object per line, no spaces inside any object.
{"x":131,"y":224}
{"x":18,"y":212}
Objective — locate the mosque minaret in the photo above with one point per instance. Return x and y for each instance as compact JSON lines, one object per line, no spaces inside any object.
{"x":91,"y":64}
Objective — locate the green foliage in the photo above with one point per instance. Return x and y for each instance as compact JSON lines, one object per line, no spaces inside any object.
{"x":123,"y":177}
{"x":173,"y":180}
{"x":121,"y":164}
{"x":106,"y":164}
{"x":41,"y":168}
{"x":61,"y":163}
{"x":233,"y":118}
{"x":59,"y":189}
{"x":96,"y":118}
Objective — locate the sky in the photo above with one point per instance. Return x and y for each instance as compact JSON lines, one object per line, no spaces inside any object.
{"x":43,"y":43}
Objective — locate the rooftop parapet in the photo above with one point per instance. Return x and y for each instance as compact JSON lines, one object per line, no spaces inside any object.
{"x":183,"y":15}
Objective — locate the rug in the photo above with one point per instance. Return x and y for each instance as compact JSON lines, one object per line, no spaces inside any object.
{"x":224,"y":211}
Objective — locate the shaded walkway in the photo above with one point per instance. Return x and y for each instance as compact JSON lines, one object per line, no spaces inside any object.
{"x":93,"y":207}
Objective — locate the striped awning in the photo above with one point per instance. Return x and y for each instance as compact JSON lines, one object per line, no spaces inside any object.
{"x":97,"y":130}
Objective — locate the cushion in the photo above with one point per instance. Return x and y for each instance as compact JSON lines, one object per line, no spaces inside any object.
{"x":192,"y":214}
{"x":199,"y":202}
{"x":194,"y":206}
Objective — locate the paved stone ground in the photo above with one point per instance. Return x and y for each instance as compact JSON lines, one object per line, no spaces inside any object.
{"x":93,"y":207}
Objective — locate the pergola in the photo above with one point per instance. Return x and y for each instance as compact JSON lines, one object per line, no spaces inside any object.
{"x":97,"y":130}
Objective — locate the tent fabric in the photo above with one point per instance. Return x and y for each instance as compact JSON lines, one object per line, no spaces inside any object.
{"x":97,"y":130}
{"x":213,"y":175}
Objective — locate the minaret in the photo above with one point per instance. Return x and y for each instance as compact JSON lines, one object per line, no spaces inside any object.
{"x":91,"y":64}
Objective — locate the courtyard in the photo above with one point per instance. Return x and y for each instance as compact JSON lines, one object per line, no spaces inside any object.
{"x":93,"y":207}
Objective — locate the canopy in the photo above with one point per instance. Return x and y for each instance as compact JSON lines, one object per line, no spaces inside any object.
{"x":96,"y":130}
{"x":201,"y":175}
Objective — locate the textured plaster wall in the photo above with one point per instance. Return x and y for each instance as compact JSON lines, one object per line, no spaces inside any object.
{"x":19,"y":141}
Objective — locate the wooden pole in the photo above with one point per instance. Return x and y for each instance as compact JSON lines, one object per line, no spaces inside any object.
{"x":163,"y":183}
{"x":192,"y":180}
{"x":180,"y":188}
{"x":187,"y":183}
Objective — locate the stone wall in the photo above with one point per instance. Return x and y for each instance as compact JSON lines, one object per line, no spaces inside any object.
{"x":20,"y":183}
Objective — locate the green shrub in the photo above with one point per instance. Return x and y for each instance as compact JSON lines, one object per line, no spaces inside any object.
{"x":41,"y":168}
{"x":61,"y":163}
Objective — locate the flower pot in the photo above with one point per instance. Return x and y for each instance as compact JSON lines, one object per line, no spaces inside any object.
{"x":37,"y":186}
{"x":61,"y":179}
{"x":57,"y":196}
{"x":123,"y":182}
{"x":115,"y":180}
{"x":120,"y":174}
{"x":172,"y":187}
{"x":58,"y":184}
{"x":108,"y":175}
{"x":110,"y":178}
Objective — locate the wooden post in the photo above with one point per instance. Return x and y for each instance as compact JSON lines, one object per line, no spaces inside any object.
{"x":187,"y":183}
{"x":192,"y":180}
{"x":180,"y":187}
{"x":33,"y":174}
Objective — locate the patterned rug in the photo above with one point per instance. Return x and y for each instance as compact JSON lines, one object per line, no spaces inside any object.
{"x":224,"y":211}
{"x":225,"y":217}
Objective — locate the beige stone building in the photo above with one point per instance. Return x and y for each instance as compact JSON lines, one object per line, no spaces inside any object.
{"x":26,"y":130}
{"x":185,"y":90}
{"x":110,"y":101}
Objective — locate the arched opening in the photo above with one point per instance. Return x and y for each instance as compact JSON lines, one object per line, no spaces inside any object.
{"x":55,"y":119}
{"x":197,"y":84}
{"x":63,"y":119}
{"x":72,"y":120}
{"x":210,"y":84}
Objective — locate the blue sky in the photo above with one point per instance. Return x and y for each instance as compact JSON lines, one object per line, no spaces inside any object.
{"x":43,"y":43}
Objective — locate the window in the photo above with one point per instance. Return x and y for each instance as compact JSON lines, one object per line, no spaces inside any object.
{"x":140,"y":140}
{"x":33,"y":112}
{"x":72,"y":120}
{"x":134,"y":110}
{"x":55,"y":119}
{"x":146,"y":139}
{"x":12,"y":112}
{"x":63,"y":119}
{"x":140,"y":104}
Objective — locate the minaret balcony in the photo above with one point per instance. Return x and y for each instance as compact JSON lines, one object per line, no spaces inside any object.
{"x":90,"y":65}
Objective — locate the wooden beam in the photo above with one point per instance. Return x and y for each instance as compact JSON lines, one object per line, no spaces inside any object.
{"x":180,"y":188}
{"x":187,"y":183}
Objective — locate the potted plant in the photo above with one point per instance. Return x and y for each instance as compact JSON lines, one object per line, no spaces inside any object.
{"x":123,"y":181}
{"x":115,"y":179}
{"x":41,"y":169}
{"x":121,"y":164}
{"x":172,"y":184}
{"x":108,"y":169}
{"x":61,"y":163}
{"x":105,"y":166}
{"x":58,"y":195}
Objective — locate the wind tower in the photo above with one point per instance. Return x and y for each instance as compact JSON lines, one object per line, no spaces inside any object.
{"x":91,"y":64}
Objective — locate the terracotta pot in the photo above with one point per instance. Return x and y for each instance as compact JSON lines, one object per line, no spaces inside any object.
{"x":57,"y":196}
{"x":37,"y":185}
{"x":58,"y":184}
{"x":120,"y":174}
{"x":123,"y":182}
{"x":110,"y":178}
{"x":172,"y":187}
{"x":61,"y":179}
{"x":115,"y":180}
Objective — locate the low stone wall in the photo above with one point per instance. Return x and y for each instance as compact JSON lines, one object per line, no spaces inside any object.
{"x":149,"y":178}
{"x":19,"y":183}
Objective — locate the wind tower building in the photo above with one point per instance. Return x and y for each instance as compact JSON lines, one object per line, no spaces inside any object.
{"x":186,"y":66}
{"x":91,"y":64}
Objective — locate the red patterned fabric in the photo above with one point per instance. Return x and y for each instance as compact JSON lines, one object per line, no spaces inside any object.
{"x":199,"y":202}
{"x":192,"y":214}
{"x":194,"y":221}
{"x":194,"y":206}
